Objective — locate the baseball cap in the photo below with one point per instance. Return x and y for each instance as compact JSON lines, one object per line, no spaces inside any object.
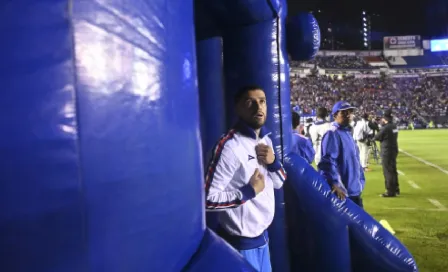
{"x":341,"y":105}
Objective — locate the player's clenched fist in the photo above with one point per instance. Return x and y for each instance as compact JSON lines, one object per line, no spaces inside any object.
{"x":265,"y":154}
{"x":257,"y":181}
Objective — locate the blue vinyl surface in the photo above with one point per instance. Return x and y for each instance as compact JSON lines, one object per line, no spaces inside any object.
{"x":216,"y":255}
{"x":324,"y":213}
{"x":303,"y":36}
{"x":41,"y":219}
{"x":138,"y":117}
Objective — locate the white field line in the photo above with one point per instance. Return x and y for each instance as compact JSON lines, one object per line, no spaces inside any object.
{"x":424,"y":161}
{"x":402,"y":208}
{"x":413,"y":184}
{"x":437,"y":204}
{"x":400,"y":173}
{"x":416,"y":209}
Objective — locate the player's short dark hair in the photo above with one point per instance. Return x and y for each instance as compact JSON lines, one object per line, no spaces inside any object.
{"x":322,"y":113}
{"x":244,"y":90}
{"x":365,"y":116}
{"x":295,"y":119}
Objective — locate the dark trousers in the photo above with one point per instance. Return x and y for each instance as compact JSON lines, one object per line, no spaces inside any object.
{"x":357,"y":200}
{"x":389,"y":161}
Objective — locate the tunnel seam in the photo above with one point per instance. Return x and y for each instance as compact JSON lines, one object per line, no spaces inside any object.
{"x":279,"y":86}
{"x":81,"y":184}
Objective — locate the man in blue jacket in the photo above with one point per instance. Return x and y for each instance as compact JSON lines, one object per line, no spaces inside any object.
{"x":340,"y":163}
{"x":301,"y":145}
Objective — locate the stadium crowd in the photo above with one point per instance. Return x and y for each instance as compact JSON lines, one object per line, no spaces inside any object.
{"x":342,"y":62}
{"x":408,"y":97}
{"x":337,"y":62}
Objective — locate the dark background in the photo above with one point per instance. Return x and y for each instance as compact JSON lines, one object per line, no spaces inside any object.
{"x":428,"y":18}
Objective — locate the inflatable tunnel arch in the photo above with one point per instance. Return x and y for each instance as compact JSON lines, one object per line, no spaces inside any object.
{"x":103,"y":107}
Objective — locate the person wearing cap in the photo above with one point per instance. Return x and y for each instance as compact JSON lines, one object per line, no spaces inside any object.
{"x":317,"y":131}
{"x":388,"y":137}
{"x":301,"y":145}
{"x":340,"y":163}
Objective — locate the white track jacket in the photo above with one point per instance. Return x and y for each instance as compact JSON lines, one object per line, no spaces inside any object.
{"x":317,"y":131}
{"x":227,"y":183}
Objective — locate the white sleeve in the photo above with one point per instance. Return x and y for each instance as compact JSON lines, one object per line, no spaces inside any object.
{"x":357,"y":131}
{"x":220,"y":173}
{"x":314,"y":135}
{"x":276,"y":171}
{"x":368,"y":129}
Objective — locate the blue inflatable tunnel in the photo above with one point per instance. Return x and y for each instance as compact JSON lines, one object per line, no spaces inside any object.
{"x":107,"y":112}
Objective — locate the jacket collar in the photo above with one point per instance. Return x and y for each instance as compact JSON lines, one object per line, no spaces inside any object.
{"x":319,"y":122}
{"x":244,"y":129}
{"x":346,"y":128}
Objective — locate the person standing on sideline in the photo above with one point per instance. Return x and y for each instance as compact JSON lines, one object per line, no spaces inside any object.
{"x":373,"y":125}
{"x":318,"y":130}
{"x":308,"y":125}
{"x":241,"y":178}
{"x":362,"y":133}
{"x":388,"y":136}
{"x":301,"y":145}
{"x":340,"y":164}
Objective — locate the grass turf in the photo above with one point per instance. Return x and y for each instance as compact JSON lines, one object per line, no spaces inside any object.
{"x":419,"y":224}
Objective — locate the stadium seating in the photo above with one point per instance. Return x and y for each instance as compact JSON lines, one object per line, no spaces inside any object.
{"x":426,"y":60}
{"x":408,"y":96}
{"x":100,"y":150}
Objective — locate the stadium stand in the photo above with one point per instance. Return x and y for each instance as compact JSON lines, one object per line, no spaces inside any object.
{"x":343,"y":62}
{"x":417,"y":93}
{"x":425,"y":96}
{"x":426,"y":60}
{"x":444,"y":59}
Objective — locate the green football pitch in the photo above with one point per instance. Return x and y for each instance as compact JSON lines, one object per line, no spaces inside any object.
{"x":419,"y":216}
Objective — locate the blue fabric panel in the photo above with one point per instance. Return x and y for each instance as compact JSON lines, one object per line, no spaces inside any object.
{"x":211,"y":92}
{"x":303,"y":36}
{"x":320,"y":215}
{"x":237,"y":13}
{"x":216,"y":255}
{"x":140,"y":148}
{"x":41,"y":215}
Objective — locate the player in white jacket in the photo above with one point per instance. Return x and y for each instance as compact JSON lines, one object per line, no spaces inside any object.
{"x":317,"y":131}
{"x":362,"y":133}
{"x":241,"y":178}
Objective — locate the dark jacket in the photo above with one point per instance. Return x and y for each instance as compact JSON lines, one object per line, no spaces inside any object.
{"x":388,"y":136}
{"x":374,"y":127}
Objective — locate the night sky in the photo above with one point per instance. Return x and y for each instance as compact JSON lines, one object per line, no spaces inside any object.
{"x":397,"y":17}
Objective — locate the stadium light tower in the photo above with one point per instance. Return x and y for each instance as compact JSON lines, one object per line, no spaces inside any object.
{"x":365,"y":31}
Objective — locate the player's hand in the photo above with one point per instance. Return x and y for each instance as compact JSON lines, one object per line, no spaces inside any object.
{"x":265,"y":154}
{"x":257,"y":181}
{"x":339,"y":192}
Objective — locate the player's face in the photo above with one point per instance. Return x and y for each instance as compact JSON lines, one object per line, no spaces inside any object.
{"x":252,"y":108}
{"x":344,"y":117}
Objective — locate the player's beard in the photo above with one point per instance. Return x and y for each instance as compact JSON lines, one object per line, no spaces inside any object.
{"x":256,"y":124}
